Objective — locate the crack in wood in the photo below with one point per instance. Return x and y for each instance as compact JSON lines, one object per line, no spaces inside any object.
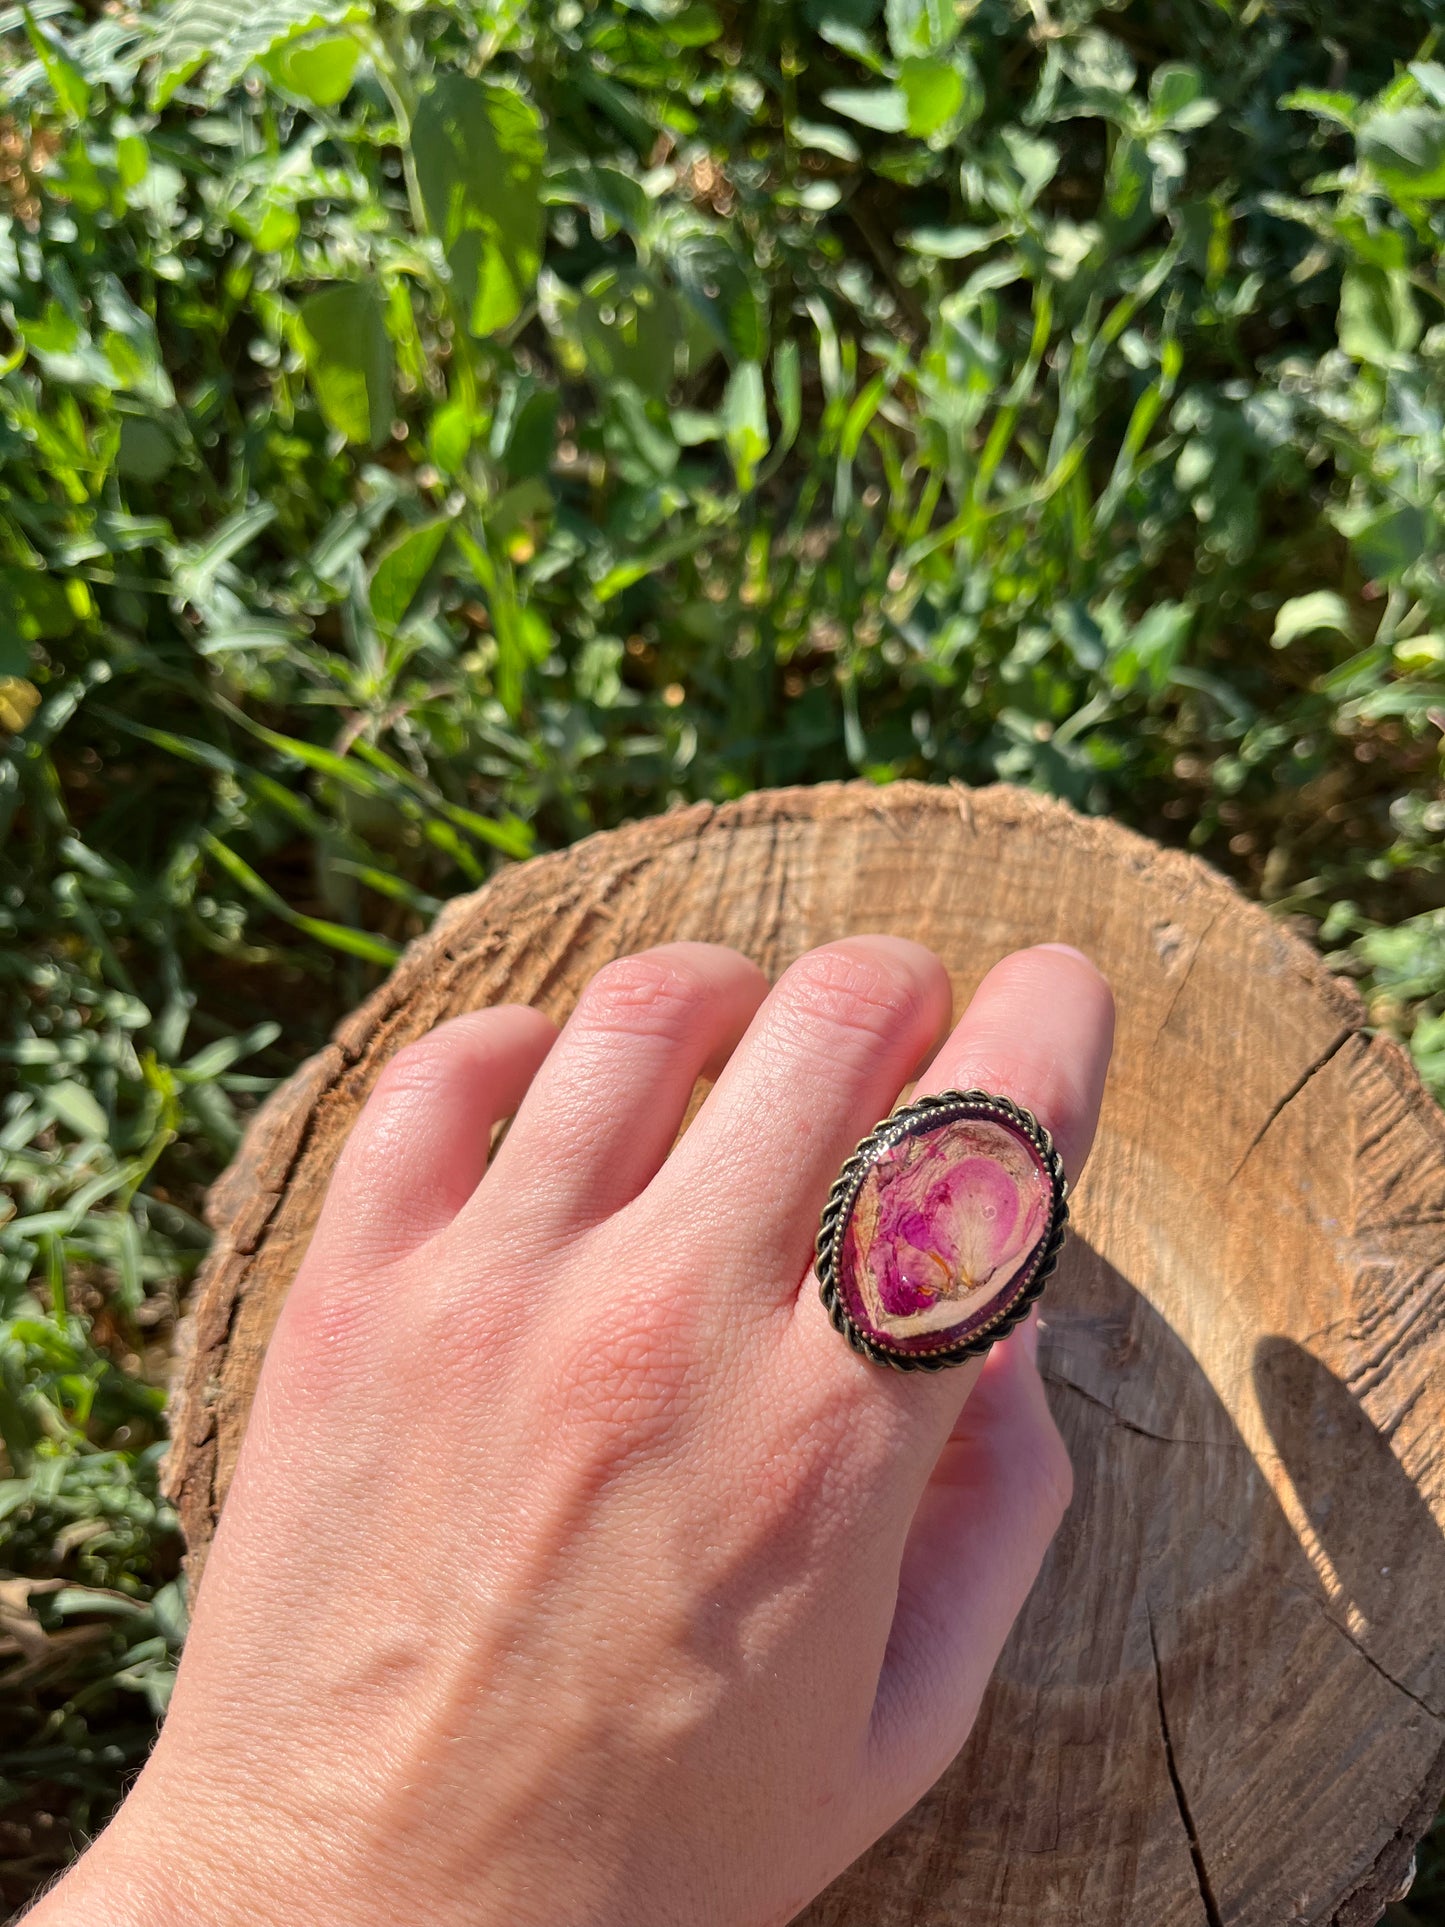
{"x":1181,"y":1799}
{"x":1433,"y":1712}
{"x":1312,"y":1070}
{"x":1183,"y":983}
{"x":1117,"y":1418}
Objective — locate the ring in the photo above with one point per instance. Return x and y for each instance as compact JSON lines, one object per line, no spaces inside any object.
{"x":941,"y":1229}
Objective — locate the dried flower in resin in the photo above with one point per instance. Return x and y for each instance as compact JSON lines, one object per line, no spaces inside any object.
{"x":941,"y":1229}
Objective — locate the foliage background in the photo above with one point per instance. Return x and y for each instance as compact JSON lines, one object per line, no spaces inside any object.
{"x":429,"y":432}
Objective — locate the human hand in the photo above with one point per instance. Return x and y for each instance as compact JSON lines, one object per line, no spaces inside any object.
{"x":575,"y":1573}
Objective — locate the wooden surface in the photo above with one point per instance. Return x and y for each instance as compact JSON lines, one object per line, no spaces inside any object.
{"x":1225,"y":1702}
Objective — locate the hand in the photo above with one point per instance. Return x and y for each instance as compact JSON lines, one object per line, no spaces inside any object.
{"x":575,"y":1572}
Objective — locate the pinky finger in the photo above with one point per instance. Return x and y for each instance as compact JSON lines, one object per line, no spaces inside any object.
{"x":419,"y":1148}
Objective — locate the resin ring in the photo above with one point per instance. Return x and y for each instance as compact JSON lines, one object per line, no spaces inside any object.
{"x":941,"y":1229}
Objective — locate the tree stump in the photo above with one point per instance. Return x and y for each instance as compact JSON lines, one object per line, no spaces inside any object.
{"x":1225,"y":1701}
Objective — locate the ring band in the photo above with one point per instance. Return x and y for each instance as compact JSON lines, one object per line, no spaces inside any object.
{"x":941,"y":1229}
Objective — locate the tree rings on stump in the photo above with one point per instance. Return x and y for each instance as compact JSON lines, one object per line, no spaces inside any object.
{"x":1224,"y":1705}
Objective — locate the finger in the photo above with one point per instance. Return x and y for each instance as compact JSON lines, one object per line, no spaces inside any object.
{"x":843,"y":1030}
{"x":608,"y":1105}
{"x":1039,"y":1030}
{"x":978,"y":1538}
{"x":419,"y":1148}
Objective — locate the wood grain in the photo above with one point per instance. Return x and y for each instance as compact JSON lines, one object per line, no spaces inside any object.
{"x":1224,"y":1705}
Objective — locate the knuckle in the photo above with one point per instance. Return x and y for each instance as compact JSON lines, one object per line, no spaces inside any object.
{"x":999,"y":1066}
{"x":847,"y":990}
{"x":415,"y":1070}
{"x":651,"y":995}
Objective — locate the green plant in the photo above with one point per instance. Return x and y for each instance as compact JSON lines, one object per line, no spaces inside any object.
{"x":429,"y":432}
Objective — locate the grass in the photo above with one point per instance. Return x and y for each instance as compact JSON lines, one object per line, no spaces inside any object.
{"x":428,"y":434}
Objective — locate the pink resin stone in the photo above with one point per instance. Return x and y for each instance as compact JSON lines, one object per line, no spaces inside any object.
{"x":944,"y":1233}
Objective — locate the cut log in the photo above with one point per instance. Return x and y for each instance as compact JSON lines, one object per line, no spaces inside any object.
{"x":1224,"y":1705}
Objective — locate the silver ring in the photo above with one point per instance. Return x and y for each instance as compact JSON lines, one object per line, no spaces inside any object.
{"x":941,"y":1229}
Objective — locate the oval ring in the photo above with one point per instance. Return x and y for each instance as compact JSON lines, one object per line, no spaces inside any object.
{"x":941,"y":1230}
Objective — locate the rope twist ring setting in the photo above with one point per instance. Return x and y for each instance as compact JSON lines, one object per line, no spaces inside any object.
{"x":941,"y":1229}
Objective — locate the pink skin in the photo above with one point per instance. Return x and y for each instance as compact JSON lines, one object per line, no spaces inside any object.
{"x":655,"y":1605}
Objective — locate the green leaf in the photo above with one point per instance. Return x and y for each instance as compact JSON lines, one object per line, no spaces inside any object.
{"x":478,"y":149}
{"x":254,"y":633}
{"x":1378,"y":320}
{"x":450,"y":437}
{"x":745,"y":422}
{"x":319,"y":70}
{"x":342,"y":334}
{"x":194,"y":570}
{"x":622,"y":326}
{"x":68,"y":83}
{"x":78,"y":1110}
{"x":1097,"y":60}
{"x":1306,"y":615}
{"x":950,"y":243}
{"x":920,"y":26}
{"x":275,"y":227}
{"x":935,"y":92}
{"x":1152,"y":648}
{"x":885,"y":108}
{"x":1405,"y":151}
{"x":612,"y":197}
{"x":337,"y":936}
{"x":35,"y":607}
{"x":1387,"y":540}
{"x":146,"y":451}
{"x":1325,"y":104}
{"x":1176,"y":94}
{"x":212,"y":1059}
{"x":231,"y":35}
{"x":824,"y":138}
{"x":788,"y":390}
{"x":403,"y":568}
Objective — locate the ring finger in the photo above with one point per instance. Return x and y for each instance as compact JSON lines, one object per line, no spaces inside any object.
{"x":1039,"y":1030}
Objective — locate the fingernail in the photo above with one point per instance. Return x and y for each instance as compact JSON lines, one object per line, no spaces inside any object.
{"x":1068,"y":950}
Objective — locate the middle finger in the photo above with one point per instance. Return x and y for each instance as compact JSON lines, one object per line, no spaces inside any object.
{"x":839,"y":1036}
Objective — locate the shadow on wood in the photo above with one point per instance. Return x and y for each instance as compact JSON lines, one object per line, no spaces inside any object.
{"x":1224,"y":1705}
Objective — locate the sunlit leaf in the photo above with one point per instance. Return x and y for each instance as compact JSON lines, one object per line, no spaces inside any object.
{"x":403,"y":568}
{"x":745,"y":421}
{"x":885,"y":108}
{"x":921,"y":26}
{"x":1306,"y":615}
{"x":1405,"y":150}
{"x":319,"y":69}
{"x":1379,"y":322}
{"x":478,"y":151}
{"x":227,"y":36}
{"x":342,"y":334}
{"x":72,"y":91}
{"x":935,"y":93}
